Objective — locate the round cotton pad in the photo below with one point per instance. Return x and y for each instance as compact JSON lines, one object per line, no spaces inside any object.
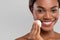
{"x":38,"y":22}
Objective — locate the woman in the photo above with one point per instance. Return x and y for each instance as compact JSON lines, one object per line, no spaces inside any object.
{"x":47,"y":11}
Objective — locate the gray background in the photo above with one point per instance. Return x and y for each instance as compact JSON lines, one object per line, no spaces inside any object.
{"x":16,"y":19}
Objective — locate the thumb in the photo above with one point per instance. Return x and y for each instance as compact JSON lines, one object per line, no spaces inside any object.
{"x":38,"y":23}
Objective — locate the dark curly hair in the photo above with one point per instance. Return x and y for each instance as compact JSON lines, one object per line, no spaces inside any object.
{"x":31,"y":3}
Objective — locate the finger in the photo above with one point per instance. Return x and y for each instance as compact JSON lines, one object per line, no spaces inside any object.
{"x":35,"y":32}
{"x":38,"y":29}
{"x":34,"y":29}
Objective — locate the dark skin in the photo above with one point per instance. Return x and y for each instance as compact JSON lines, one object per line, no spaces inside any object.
{"x":47,"y":11}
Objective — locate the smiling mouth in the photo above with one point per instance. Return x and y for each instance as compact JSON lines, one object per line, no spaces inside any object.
{"x":47,"y":23}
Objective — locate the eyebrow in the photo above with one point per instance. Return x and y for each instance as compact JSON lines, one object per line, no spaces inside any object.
{"x":44,"y":8}
{"x":40,"y":7}
{"x":54,"y":7}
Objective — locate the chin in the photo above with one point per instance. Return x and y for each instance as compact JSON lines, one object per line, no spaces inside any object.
{"x":47,"y":28}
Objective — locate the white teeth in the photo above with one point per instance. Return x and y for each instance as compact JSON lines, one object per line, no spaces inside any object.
{"x":47,"y":23}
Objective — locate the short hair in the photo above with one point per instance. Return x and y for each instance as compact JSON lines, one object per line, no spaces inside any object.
{"x":31,"y":3}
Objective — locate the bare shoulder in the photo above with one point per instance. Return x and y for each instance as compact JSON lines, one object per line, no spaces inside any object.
{"x":23,"y":37}
{"x":58,"y":35}
{"x":20,"y":38}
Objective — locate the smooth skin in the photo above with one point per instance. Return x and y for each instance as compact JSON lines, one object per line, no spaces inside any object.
{"x":47,"y":11}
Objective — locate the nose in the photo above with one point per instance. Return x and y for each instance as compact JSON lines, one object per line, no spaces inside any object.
{"x":47,"y":15}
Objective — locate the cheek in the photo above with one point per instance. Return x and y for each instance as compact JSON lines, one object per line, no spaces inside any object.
{"x":37,"y":15}
{"x":56,"y":15}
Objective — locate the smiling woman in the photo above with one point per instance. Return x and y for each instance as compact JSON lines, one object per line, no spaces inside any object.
{"x":46,"y":11}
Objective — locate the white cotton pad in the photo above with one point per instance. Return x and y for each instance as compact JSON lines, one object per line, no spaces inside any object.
{"x":38,"y":22}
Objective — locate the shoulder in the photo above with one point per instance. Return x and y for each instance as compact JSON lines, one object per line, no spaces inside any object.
{"x":57,"y":35}
{"x":23,"y":37}
{"x":20,"y":38}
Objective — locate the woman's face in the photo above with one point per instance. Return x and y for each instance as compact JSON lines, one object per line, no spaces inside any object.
{"x":47,"y":11}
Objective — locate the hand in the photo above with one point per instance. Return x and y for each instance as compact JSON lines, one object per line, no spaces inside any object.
{"x":35,"y":32}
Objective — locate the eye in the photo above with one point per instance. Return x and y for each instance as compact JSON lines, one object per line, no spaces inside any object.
{"x":54,"y":10}
{"x":41,"y":11}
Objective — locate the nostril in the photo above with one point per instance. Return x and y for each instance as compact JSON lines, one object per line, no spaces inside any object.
{"x":47,"y":17}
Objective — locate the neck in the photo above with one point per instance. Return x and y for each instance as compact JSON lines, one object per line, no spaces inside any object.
{"x":50,"y":33}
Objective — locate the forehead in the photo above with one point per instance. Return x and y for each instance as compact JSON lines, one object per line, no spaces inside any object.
{"x":46,"y":3}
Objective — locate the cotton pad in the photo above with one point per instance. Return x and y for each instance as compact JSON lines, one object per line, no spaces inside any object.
{"x":38,"y":22}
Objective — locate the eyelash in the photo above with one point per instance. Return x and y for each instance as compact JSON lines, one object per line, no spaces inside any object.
{"x":54,"y":11}
{"x":40,"y":10}
{"x":43,"y":10}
